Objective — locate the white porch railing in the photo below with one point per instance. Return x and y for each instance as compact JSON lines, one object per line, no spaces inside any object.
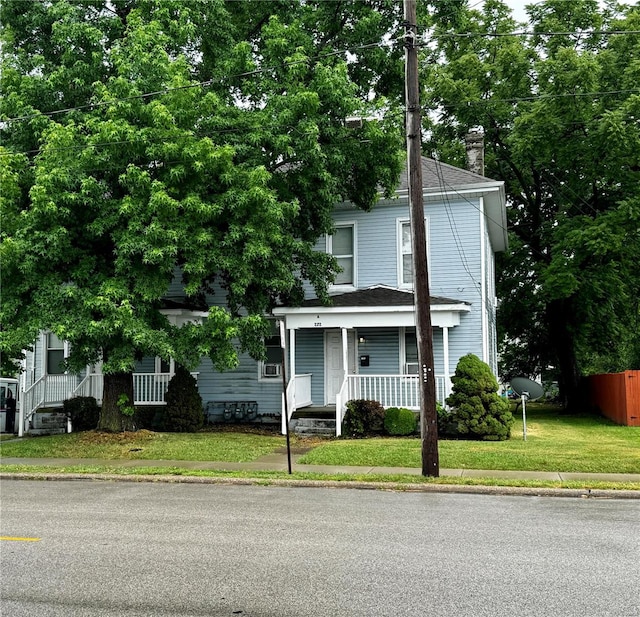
{"x":298,"y":393}
{"x":91,"y":385}
{"x":388,"y":390}
{"x":48,"y":390}
{"x":150,"y":388}
{"x":53,"y":390}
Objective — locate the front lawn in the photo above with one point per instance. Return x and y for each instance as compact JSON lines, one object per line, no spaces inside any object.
{"x":555,"y":442}
{"x":147,"y":445}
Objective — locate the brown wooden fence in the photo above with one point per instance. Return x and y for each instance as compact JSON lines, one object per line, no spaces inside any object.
{"x":617,"y":395}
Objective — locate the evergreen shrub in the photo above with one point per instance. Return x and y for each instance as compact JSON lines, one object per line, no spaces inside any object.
{"x":183,"y":412}
{"x":363,"y":417}
{"x":83,"y":411}
{"x":478,"y":411}
{"x":400,"y":421}
{"x":446,"y":425}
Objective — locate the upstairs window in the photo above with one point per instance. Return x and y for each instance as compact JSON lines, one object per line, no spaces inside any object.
{"x":405,"y":252}
{"x":55,"y":355}
{"x":342,"y":246}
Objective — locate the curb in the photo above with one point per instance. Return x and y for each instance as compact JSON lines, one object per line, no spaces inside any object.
{"x":362,"y":485}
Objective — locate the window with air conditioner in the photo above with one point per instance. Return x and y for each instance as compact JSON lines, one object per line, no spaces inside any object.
{"x":271,"y":370}
{"x":412,"y":368}
{"x":271,"y":367}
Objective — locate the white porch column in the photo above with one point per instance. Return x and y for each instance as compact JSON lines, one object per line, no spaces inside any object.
{"x":345,"y":352}
{"x":292,"y":354}
{"x":445,"y":354}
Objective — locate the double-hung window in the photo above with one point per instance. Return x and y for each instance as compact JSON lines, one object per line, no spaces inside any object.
{"x":405,"y":252}
{"x":271,"y":368}
{"x":342,"y":245}
{"x":55,"y":354}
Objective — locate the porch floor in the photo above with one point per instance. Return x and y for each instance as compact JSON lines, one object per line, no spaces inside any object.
{"x":318,"y":412}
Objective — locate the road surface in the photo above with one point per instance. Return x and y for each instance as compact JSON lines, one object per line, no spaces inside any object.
{"x":107,"y":549}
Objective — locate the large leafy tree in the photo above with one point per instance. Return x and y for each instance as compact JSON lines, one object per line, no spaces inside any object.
{"x":559,"y":108}
{"x":144,"y":138}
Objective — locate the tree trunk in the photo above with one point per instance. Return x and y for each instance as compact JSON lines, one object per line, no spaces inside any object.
{"x":117,"y":403}
{"x":559,"y":315}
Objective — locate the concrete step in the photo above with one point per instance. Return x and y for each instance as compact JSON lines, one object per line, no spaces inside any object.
{"x":317,"y":422}
{"x":314,"y":426}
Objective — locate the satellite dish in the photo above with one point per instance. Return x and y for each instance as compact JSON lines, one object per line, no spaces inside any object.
{"x":527,"y":387}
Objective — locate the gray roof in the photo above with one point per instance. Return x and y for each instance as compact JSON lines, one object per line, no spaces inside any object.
{"x":440,"y":175}
{"x":377,"y":296}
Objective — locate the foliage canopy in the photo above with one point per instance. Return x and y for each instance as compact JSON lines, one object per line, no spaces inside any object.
{"x":559,"y":109}
{"x":157,"y":143}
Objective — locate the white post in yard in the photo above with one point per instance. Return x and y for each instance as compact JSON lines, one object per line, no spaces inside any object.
{"x":445,"y":353}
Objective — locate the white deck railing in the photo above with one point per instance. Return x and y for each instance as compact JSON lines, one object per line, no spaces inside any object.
{"x":298,"y":395}
{"x":53,"y":390}
{"x":150,"y":388}
{"x":91,"y":385}
{"x":388,"y":390}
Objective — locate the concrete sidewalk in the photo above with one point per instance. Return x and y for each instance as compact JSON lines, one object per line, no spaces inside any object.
{"x":278,"y":462}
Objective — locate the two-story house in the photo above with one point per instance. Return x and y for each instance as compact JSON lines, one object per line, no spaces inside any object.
{"x":363,"y":344}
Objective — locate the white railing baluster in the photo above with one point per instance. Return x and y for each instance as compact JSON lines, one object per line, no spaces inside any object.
{"x":390,"y":390}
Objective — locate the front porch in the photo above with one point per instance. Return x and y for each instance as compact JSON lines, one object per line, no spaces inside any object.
{"x":52,"y":390}
{"x":388,"y":390}
{"x":363,"y":346}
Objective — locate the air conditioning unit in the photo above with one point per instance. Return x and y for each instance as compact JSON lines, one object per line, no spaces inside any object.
{"x":412,"y":368}
{"x":271,"y":370}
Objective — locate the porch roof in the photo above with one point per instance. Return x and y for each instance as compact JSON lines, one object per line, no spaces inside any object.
{"x":377,"y":306}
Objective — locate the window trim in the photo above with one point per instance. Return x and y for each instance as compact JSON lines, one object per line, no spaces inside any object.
{"x":158,"y":366}
{"x":400,"y":222}
{"x":261,"y":363}
{"x":329,"y":249}
{"x":66,"y":348}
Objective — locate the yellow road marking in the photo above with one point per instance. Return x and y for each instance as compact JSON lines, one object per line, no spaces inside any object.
{"x":18,"y":539}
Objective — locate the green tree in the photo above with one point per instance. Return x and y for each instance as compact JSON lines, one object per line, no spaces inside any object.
{"x":141,"y":139}
{"x":559,"y":111}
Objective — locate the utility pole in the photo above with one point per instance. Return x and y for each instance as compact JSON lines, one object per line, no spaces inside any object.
{"x":424,"y":333}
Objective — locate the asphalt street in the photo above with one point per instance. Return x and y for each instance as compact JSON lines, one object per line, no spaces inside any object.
{"x":106,"y":549}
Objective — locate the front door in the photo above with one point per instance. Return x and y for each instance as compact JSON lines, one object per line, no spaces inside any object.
{"x":333,"y":365}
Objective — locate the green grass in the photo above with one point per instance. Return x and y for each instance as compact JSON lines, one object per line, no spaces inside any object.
{"x":555,"y":442}
{"x":397,"y":481}
{"x":146,"y":445}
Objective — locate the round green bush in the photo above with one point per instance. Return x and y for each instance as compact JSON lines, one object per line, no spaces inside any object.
{"x":83,"y":411}
{"x":400,"y":421}
{"x":362,"y":418}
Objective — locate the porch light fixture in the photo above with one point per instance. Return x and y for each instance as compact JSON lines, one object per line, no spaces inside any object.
{"x":362,"y":340}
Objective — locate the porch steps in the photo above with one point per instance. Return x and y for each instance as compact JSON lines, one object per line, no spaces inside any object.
{"x":314,"y":427}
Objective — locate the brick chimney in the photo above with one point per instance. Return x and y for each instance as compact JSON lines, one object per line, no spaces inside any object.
{"x":474,"y":142}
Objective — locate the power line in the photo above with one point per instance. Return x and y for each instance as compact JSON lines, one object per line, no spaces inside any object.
{"x":201,"y":84}
{"x":506,"y":34}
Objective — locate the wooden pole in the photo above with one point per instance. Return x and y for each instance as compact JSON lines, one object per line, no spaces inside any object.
{"x":424,"y":333}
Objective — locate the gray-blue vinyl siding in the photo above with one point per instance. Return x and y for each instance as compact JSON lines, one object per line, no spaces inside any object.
{"x":310,"y":359}
{"x":239,"y":385}
{"x":382,"y":346}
